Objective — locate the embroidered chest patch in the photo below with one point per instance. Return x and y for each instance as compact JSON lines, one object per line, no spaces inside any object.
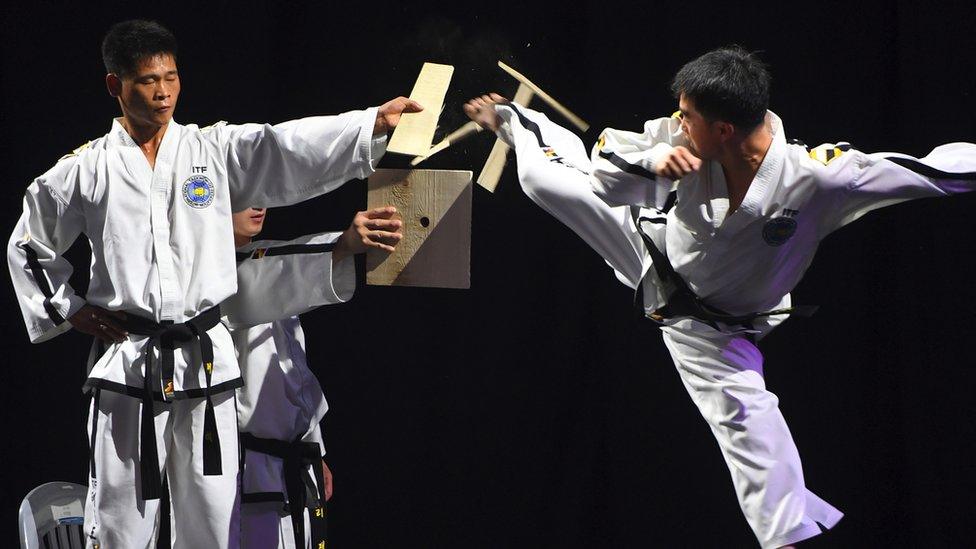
{"x":778,"y":230}
{"x":198,"y":191}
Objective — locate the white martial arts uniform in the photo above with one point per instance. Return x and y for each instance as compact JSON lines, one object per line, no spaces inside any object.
{"x":281,"y":400}
{"x":741,"y":262}
{"x":163,"y":250}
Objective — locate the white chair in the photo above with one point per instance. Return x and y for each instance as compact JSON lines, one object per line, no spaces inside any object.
{"x":52,"y":517}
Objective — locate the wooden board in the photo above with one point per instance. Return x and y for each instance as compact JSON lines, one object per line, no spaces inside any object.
{"x":495,"y":165}
{"x":435,"y":207}
{"x":415,"y":131}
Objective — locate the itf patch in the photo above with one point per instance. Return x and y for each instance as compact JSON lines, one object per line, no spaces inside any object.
{"x":778,"y":230}
{"x":198,"y":191}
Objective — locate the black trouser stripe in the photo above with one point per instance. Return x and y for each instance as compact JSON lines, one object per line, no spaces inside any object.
{"x":625,"y":166}
{"x":38,"y":273}
{"x":929,"y":171}
{"x":528,"y":124}
{"x":288,"y":249}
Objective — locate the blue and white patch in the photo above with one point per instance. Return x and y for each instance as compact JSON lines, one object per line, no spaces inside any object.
{"x":198,"y":191}
{"x":778,"y":230}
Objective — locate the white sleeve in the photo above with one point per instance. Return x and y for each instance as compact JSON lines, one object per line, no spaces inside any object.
{"x":867,"y":182}
{"x":281,"y":279}
{"x":51,"y":222}
{"x":282,"y":164}
{"x":624,"y":164}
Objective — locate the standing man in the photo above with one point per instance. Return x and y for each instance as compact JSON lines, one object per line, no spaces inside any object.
{"x":154,"y":198}
{"x":286,"y":482}
{"x":712,"y":217}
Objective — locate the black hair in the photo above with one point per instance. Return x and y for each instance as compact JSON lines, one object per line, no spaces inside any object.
{"x":729,"y":84}
{"x":128,"y":42}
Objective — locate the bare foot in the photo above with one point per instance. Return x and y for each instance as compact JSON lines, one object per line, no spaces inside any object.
{"x":482,"y":110}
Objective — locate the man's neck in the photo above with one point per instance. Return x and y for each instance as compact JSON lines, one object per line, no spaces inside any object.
{"x":241,"y":240}
{"x":741,"y":162}
{"x":147,"y":138}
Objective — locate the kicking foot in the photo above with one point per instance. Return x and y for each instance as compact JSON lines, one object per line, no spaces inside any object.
{"x":482,"y":110}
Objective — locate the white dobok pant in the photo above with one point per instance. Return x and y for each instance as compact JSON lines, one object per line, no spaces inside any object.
{"x":205,"y":509}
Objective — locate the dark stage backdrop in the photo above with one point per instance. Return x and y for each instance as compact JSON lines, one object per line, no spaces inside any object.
{"x":533,"y":410}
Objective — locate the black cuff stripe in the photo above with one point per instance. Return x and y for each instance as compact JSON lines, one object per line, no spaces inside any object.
{"x":287,"y":249}
{"x":37,"y":271}
{"x":929,"y":171}
{"x":625,"y":166}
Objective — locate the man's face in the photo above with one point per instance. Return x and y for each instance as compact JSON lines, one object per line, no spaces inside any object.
{"x":148,"y":96}
{"x":701,"y":133}
{"x":248,"y":223}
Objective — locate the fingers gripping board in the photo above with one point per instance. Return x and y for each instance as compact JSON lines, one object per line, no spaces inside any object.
{"x":415,"y":131}
{"x":435,"y":207}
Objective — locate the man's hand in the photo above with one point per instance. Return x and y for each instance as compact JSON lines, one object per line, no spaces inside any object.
{"x":374,"y":228}
{"x":678,"y":163}
{"x":389,"y":114}
{"x":327,"y":479}
{"x":99,"y":322}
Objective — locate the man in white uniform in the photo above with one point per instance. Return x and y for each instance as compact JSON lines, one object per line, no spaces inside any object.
{"x":154,"y":198}
{"x":713,"y":218}
{"x":285,"y":479}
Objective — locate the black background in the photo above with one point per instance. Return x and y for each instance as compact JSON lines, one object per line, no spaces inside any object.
{"x":532,"y":410}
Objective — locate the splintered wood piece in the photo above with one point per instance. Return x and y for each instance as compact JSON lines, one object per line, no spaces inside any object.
{"x":577,"y":121}
{"x":415,"y":131}
{"x":495,"y":165}
{"x":452,"y":138}
{"x":435,"y":207}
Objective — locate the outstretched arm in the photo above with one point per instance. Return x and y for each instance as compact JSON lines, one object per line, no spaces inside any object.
{"x":277,"y":165}
{"x":864,"y":182}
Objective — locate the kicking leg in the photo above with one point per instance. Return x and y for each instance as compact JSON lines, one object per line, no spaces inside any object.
{"x":553,"y":170}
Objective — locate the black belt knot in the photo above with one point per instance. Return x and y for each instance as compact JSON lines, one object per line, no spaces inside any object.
{"x":302,"y":492}
{"x":167,"y":337}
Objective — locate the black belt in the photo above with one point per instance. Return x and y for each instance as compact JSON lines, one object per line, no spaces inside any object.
{"x":684,"y":302}
{"x":302,"y":491}
{"x":167,"y":336}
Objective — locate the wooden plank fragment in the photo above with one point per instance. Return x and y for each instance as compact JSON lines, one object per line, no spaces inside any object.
{"x":415,"y":131}
{"x":470,"y":128}
{"x":577,"y":121}
{"x":435,"y":207}
{"x":495,"y":165}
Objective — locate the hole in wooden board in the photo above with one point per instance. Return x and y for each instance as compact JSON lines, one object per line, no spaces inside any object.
{"x":424,"y":221}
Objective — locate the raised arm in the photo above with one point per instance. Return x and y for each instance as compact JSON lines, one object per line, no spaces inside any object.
{"x":638,"y":169}
{"x":281,"y":279}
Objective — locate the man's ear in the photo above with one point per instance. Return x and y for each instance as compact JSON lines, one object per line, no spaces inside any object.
{"x":114,"y":84}
{"x":725,"y":130}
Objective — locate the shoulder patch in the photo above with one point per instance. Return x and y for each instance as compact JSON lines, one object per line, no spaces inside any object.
{"x":828,"y":152}
{"x":76,"y":151}
{"x":601,"y":142}
{"x":676,"y":114}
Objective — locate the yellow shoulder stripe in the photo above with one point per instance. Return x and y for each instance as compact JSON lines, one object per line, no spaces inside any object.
{"x":77,"y":151}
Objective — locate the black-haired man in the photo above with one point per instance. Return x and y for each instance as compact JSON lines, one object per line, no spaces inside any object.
{"x":155,"y":198}
{"x":713,"y":219}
